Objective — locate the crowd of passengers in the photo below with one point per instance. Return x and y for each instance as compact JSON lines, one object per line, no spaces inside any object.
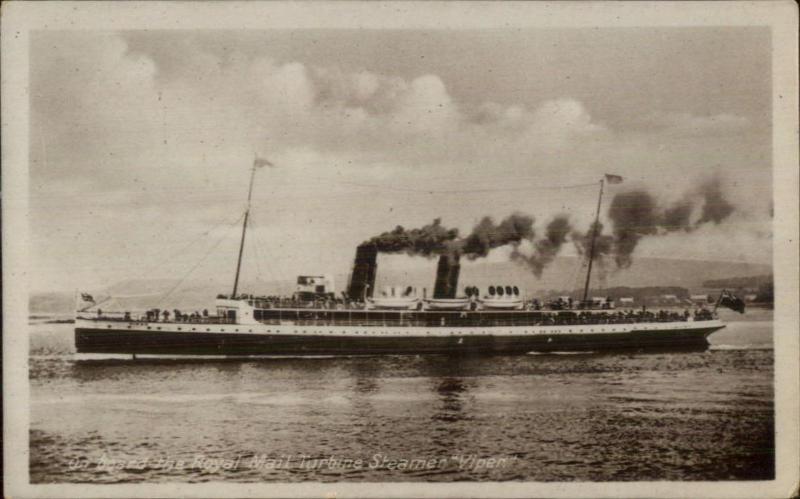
{"x":626,"y":317}
{"x":158,"y":315}
{"x":567,"y":308}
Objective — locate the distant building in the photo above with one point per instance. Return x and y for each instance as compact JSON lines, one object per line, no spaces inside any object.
{"x":626,"y":301}
{"x":750,"y":297}
{"x":700,"y":299}
{"x":669,"y":298}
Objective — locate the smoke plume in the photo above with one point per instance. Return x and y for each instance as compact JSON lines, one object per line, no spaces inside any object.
{"x":603,"y":244}
{"x":546,"y":248}
{"x":487,"y":235}
{"x":436,"y":240}
{"x":429,"y":240}
{"x":715,"y":207}
{"x":636,"y":214}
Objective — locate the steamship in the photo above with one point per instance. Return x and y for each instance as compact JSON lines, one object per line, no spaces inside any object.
{"x":314,"y":321}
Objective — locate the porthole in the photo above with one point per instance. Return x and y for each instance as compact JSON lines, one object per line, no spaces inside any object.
{"x":109,"y":326}
{"x":208,"y":329}
{"x":158,"y":328}
{"x":179,"y":329}
{"x":193,"y":329}
{"x":148,"y":327}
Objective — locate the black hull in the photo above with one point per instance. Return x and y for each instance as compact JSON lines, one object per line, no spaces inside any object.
{"x":169,"y":343}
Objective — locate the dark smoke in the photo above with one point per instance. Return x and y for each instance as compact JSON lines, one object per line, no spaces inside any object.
{"x":678,"y":216}
{"x":436,"y":240}
{"x":546,"y":249}
{"x":715,"y":207}
{"x":603,"y":244}
{"x":487,"y":235}
{"x":636,"y":214}
{"x":429,"y":240}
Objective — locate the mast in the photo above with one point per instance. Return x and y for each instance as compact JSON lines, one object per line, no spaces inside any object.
{"x":591,"y":246}
{"x":244,"y":229}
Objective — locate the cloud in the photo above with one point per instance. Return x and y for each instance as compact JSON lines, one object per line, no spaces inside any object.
{"x":184,"y":102}
{"x":125,"y":124}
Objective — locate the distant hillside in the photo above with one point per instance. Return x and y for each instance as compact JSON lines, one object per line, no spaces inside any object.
{"x":639,"y":294}
{"x":568,"y":273}
{"x":751,"y":282}
{"x":565,"y":273}
{"x":51,"y":303}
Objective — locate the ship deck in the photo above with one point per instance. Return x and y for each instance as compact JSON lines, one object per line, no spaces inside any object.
{"x":436,"y":318}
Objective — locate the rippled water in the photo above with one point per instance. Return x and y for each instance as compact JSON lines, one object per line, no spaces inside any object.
{"x":678,"y":416}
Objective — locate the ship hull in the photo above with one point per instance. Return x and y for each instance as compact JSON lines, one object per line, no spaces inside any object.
{"x":297,"y":341}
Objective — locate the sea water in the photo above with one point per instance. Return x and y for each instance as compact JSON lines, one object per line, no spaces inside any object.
{"x":612,"y":416}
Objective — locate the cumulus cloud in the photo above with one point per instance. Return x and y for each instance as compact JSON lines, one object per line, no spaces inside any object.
{"x":200,"y":100}
{"x":145,"y":124}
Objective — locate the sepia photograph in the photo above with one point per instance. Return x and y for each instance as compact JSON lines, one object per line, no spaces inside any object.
{"x":380,"y":249}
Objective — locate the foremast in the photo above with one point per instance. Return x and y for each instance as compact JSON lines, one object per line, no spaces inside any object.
{"x":257,"y":163}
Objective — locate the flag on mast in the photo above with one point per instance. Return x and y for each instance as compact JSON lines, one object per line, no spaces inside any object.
{"x":259,"y":162}
{"x":613,"y":179}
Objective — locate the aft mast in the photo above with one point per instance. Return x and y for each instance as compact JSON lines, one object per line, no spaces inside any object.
{"x":612,"y":179}
{"x":257,"y":162}
{"x":591,"y":245}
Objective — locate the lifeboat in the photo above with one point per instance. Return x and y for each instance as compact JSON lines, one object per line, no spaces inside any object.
{"x":394,"y":302}
{"x":395,"y":298}
{"x":447,"y":303}
{"x":502,"y":298}
{"x":460,"y":303}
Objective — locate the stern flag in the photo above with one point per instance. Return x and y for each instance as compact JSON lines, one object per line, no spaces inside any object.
{"x":87,"y":297}
{"x":731,"y":301}
{"x":613,"y":179}
{"x":259,"y":162}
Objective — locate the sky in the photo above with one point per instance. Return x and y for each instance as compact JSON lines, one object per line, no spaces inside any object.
{"x":141,"y":142}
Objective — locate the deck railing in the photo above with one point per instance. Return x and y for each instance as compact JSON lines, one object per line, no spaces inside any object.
{"x":377,"y":318}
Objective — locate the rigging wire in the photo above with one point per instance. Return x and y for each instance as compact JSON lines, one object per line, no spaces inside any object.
{"x":193,"y":242}
{"x":224,"y":195}
{"x":274,"y":272}
{"x":463,"y":191}
{"x":194,"y":267}
{"x":254,"y":247}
